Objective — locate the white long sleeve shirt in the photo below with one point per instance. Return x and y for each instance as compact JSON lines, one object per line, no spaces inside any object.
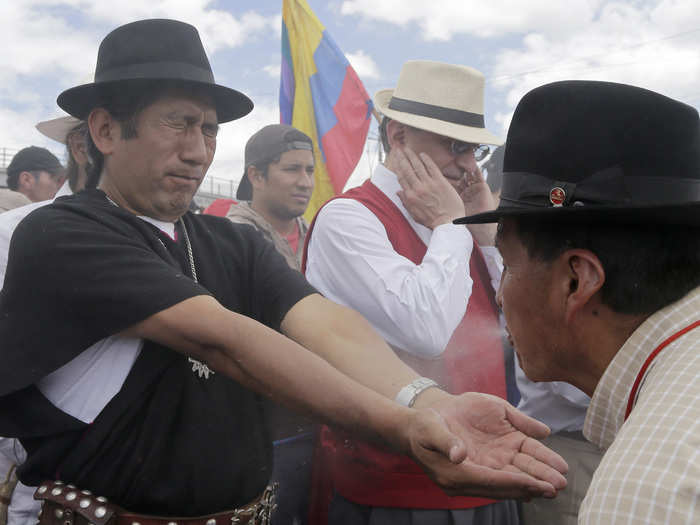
{"x":415,"y":308}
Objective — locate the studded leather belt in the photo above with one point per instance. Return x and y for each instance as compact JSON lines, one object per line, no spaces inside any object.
{"x":67,"y":505}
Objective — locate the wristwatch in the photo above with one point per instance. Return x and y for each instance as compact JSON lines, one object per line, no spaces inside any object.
{"x":408,"y":394}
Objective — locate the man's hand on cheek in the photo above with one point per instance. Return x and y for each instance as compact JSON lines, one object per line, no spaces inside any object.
{"x":425,"y":193}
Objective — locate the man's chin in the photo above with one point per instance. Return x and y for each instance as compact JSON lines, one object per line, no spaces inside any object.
{"x":174,"y":208}
{"x":297,"y":211}
{"x":524,"y":367}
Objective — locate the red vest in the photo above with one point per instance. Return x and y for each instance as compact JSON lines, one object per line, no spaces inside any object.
{"x":472,"y":362}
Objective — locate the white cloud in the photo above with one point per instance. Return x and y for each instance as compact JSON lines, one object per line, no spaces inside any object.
{"x":653,"y":43}
{"x":633,"y":44}
{"x":41,"y":39}
{"x":22,"y":133}
{"x":442,"y":19}
{"x":273,"y":70}
{"x":218,"y":28}
{"x":363,"y":64}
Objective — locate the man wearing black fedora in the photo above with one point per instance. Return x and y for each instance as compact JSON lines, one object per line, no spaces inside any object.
{"x":137,"y":400}
{"x":388,"y":250}
{"x":600,"y":235}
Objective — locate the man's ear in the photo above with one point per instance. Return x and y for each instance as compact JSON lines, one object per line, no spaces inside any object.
{"x":586,"y":277}
{"x":256,"y":177}
{"x":104,"y":130}
{"x":25,"y":181}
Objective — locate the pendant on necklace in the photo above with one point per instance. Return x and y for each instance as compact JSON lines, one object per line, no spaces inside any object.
{"x":200,"y":368}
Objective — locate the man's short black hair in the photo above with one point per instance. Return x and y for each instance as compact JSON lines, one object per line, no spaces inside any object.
{"x":34,"y":160}
{"x":647,"y":267}
{"x":383,"y":135}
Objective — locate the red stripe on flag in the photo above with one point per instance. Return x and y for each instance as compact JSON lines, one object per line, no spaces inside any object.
{"x":343,"y":144}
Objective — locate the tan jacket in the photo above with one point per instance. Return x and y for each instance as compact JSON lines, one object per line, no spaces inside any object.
{"x":242,"y":213}
{"x":10,"y":199}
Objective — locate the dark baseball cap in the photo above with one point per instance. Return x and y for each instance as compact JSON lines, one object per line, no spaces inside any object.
{"x":32,"y":158}
{"x":267,"y":144}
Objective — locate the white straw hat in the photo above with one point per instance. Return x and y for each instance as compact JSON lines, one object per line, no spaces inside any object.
{"x":58,"y":128}
{"x":442,"y":98}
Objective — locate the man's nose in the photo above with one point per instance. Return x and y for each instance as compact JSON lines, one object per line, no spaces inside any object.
{"x":194,"y":149}
{"x":466,"y":161}
{"x":306,"y":180}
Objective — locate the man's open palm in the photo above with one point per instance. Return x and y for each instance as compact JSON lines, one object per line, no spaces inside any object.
{"x":486,"y":447}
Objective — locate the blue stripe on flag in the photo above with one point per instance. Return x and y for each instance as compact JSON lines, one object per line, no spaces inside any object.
{"x":287,"y":84}
{"x":327,"y":83}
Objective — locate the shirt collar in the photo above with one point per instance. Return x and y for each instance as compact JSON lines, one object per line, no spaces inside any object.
{"x":388,"y":184}
{"x":168,"y":228}
{"x":606,"y":412}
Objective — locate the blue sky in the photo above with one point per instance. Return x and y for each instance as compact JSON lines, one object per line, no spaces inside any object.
{"x":50,"y":45}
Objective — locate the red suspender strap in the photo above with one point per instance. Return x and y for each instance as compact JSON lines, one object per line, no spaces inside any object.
{"x":635,"y":387}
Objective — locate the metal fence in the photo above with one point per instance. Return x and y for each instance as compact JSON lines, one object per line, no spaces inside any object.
{"x":218,"y":187}
{"x":6,"y":155}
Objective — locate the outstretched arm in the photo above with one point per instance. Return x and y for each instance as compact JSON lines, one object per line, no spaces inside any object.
{"x":467,"y":451}
{"x":500,"y":458}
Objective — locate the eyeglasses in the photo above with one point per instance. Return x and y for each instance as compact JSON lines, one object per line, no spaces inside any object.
{"x":457,"y":147}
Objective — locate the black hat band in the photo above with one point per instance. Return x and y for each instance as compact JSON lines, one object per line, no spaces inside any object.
{"x":421,"y":109}
{"x":150,"y":70}
{"x":607,"y":187}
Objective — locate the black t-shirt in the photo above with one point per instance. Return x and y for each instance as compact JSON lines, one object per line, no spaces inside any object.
{"x":170,"y":442}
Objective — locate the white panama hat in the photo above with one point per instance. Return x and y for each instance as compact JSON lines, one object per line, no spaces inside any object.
{"x":443,"y":98}
{"x":58,"y":128}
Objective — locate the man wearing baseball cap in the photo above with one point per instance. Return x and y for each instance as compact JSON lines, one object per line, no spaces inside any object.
{"x":138,"y":399}
{"x":599,"y":227}
{"x":36,"y":173}
{"x":389,"y":250}
{"x":276,"y":187}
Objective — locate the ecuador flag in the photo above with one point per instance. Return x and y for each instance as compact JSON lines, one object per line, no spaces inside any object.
{"x":321,"y":95}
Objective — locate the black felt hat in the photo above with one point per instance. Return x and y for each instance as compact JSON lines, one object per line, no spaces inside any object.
{"x":589,"y":151}
{"x":148,"y":50}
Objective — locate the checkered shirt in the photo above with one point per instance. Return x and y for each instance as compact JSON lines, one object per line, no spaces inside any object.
{"x":651,"y":470}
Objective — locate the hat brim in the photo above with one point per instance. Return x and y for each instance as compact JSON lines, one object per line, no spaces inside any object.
{"x":80,"y":100}
{"x":441,"y":127}
{"x":687,"y":214}
{"x":58,"y":128}
{"x":245,"y":189}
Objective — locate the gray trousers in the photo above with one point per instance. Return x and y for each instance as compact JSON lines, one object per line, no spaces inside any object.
{"x":583,"y":458}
